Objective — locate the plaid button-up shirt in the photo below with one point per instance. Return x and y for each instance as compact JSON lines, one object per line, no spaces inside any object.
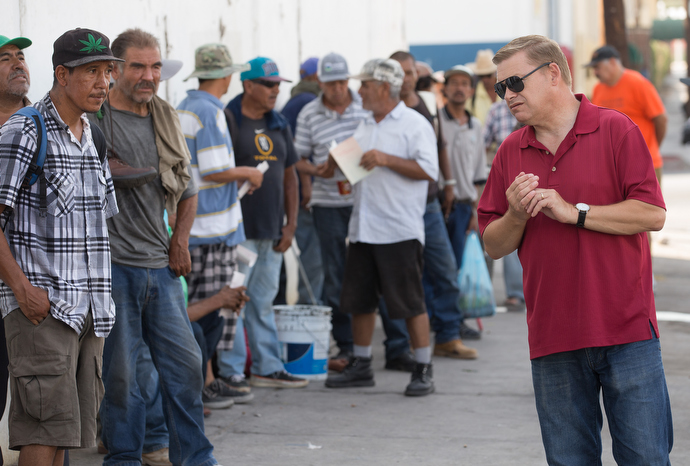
{"x":65,"y":251}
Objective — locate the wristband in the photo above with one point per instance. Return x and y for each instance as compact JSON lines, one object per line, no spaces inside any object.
{"x":450,"y":182}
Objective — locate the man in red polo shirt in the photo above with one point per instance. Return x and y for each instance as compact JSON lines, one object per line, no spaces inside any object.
{"x":575,"y":192}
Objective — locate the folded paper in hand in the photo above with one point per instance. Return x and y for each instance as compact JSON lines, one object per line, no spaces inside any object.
{"x":348,"y":155}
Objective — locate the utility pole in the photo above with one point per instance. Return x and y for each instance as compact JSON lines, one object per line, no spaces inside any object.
{"x":614,"y":24}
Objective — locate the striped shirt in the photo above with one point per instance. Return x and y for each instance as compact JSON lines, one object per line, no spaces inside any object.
{"x":499,"y":123}
{"x":219,"y":214}
{"x":66,"y":251}
{"x":317,"y":127}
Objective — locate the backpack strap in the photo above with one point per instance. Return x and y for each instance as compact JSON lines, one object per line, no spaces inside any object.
{"x":99,"y":142}
{"x":39,"y":158}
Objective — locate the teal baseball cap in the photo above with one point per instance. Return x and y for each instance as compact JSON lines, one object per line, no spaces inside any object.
{"x":21,"y":42}
{"x":262,"y":68}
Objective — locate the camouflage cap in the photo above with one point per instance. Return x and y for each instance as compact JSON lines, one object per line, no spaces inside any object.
{"x":388,"y":71}
{"x":212,"y":61}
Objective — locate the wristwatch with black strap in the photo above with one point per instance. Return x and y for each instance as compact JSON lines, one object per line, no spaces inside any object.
{"x":582,"y":208}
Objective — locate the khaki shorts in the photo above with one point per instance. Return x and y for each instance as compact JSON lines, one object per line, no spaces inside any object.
{"x":55,"y":382}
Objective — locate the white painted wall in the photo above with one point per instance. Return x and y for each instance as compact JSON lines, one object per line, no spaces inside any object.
{"x":287,"y":31}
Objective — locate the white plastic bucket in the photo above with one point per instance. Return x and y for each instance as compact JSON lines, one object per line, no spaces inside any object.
{"x":304,"y":335}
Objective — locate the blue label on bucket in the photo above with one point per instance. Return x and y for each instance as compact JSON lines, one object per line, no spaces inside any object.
{"x":299,"y":359}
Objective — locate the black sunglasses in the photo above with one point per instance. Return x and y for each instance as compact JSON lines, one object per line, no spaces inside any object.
{"x":514,"y":83}
{"x":265,"y":83}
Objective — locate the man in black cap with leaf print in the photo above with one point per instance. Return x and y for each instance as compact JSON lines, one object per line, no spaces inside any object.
{"x":55,"y":288}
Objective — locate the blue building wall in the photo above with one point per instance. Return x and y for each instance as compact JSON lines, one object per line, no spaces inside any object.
{"x":444,"y":56}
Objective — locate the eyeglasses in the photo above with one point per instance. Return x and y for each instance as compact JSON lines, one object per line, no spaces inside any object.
{"x":265,"y":83}
{"x":515,"y":83}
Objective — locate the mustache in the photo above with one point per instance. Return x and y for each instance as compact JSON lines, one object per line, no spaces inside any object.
{"x":144,"y":85}
{"x":14,"y":74}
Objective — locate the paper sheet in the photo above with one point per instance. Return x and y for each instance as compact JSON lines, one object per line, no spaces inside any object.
{"x":347,"y":155}
{"x":244,"y":189}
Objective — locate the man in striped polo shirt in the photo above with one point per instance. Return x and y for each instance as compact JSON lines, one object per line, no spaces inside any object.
{"x":217,"y":228}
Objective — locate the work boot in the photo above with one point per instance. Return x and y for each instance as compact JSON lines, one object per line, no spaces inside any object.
{"x":421,"y":382}
{"x":404,"y":363}
{"x":126,"y":176}
{"x":357,"y":373}
{"x":454,"y":349}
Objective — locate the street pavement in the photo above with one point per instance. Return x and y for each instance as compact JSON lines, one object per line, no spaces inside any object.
{"x":483,"y":411}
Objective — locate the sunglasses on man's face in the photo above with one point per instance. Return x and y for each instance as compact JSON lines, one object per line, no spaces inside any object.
{"x":515,"y":83}
{"x":265,"y":83}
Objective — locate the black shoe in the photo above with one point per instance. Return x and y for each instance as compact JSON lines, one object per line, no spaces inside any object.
{"x":404,"y":363}
{"x":468,"y":333}
{"x":357,"y":373}
{"x":421,"y":383}
{"x":278,"y":379}
{"x":343,"y":354}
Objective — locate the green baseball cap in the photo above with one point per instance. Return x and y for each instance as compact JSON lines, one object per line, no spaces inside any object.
{"x":213,"y":61}
{"x":21,"y":42}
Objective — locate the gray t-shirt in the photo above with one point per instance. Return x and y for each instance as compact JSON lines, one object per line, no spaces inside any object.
{"x":138,"y":234}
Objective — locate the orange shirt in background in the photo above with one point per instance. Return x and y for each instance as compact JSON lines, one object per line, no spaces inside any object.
{"x":635,"y":96}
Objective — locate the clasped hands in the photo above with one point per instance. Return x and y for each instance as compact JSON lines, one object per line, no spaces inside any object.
{"x":526,"y":200}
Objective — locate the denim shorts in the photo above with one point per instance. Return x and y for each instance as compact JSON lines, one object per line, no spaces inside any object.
{"x":55,"y":382}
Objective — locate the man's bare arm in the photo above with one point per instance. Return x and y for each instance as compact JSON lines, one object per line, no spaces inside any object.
{"x":33,"y":301}
{"x":251,"y":174}
{"x":405,"y":167}
{"x":229,"y":298}
{"x":291,"y":206}
{"x":180,"y":260}
{"x":623,"y":218}
{"x":660,"y":125}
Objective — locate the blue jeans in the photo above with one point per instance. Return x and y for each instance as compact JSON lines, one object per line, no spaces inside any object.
{"x":331,"y":225}
{"x":207,"y":332}
{"x":630,"y":379}
{"x":512,"y":274}
{"x":156,"y":435}
{"x":262,"y":286}
{"x":440,"y":276}
{"x":150,"y":307}
{"x":310,"y":256}
{"x":457,"y":223}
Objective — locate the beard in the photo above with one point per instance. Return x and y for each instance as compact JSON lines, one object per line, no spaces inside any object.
{"x":18,"y":89}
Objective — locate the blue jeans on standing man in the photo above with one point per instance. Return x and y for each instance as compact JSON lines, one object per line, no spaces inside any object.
{"x":331,"y":225}
{"x":151,"y":308}
{"x":262,"y":282}
{"x":630,"y":379}
{"x":512,"y":274}
{"x":457,"y":223}
{"x":440,"y":278}
{"x":310,"y":257}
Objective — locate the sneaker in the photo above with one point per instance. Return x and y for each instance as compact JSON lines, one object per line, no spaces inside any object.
{"x":357,"y":373}
{"x":237,"y":382}
{"x":454,"y":349}
{"x":279,"y":379}
{"x":404,"y":363}
{"x":156,"y":458}
{"x":468,"y":333}
{"x":421,"y":383}
{"x":226,"y":391}
{"x":212,"y":398}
